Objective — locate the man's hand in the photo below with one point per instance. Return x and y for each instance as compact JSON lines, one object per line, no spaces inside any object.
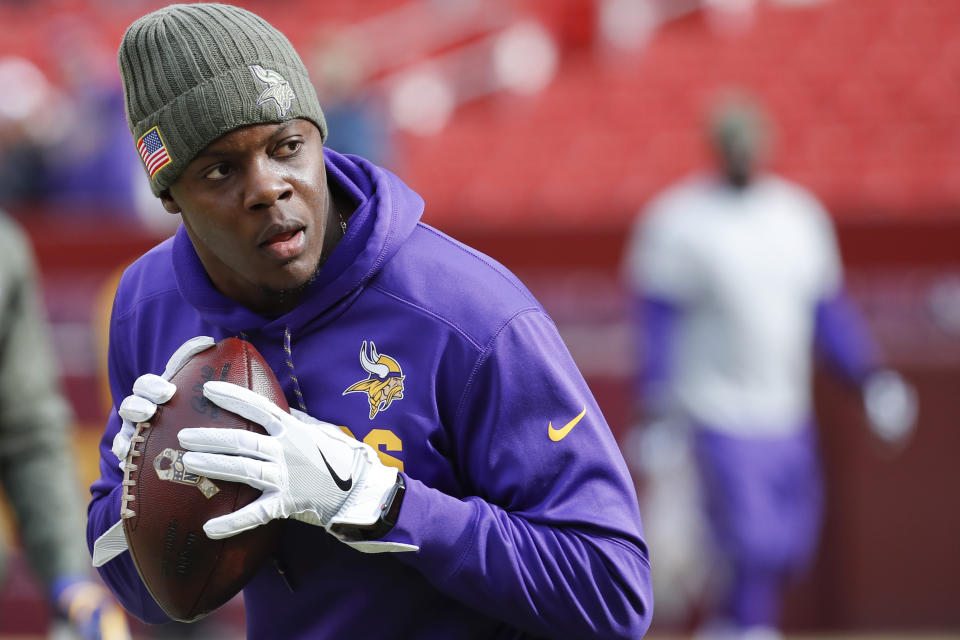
{"x":307,"y":469}
{"x":88,"y":610}
{"x":656,"y":445}
{"x":891,"y":406}
{"x":150,"y":390}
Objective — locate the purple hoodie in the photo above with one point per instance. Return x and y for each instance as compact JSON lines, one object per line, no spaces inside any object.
{"x":525,"y":528}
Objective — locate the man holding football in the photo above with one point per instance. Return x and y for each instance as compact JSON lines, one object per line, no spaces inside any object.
{"x":479,"y":492}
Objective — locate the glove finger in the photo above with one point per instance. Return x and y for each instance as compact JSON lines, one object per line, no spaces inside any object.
{"x":327,"y":429}
{"x":184,"y":352}
{"x":136,"y":409}
{"x":308,"y":419}
{"x":327,"y":436}
{"x":121,"y":441}
{"x":153,"y":388}
{"x":230,"y":441}
{"x":253,"y":515}
{"x":246,"y":403}
{"x":256,"y":473}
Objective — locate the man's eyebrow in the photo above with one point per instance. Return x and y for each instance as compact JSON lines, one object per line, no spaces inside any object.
{"x":211,"y":153}
{"x":283,"y":127}
{"x":219,"y":153}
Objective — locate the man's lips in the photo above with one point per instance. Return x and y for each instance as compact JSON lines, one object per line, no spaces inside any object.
{"x":274,"y":231}
{"x":282,"y":236}
{"x":286,"y":244}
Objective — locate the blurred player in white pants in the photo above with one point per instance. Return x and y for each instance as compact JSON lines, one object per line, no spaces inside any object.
{"x":737,"y":277}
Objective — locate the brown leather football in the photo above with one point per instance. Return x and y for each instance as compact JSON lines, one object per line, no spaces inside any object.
{"x":187,"y":573}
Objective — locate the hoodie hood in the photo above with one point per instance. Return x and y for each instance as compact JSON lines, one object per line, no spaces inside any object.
{"x":387,"y":212}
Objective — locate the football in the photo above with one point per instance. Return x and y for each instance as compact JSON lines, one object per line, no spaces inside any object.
{"x":187,"y":573}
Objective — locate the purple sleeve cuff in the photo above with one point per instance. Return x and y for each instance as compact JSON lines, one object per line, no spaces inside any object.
{"x":844,"y":338}
{"x":435,"y":522}
{"x":656,"y":321}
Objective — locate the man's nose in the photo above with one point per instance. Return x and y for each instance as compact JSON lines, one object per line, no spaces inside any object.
{"x":265,"y":186}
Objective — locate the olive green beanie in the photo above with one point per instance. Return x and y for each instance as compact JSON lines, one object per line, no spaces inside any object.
{"x":193,"y":72}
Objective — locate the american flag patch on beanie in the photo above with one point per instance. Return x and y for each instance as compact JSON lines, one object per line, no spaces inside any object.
{"x":153,"y":151}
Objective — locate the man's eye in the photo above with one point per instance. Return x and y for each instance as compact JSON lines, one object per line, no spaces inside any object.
{"x":289,"y":147}
{"x":218,"y":172}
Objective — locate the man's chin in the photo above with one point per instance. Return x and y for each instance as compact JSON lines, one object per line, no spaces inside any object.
{"x":293,"y":286}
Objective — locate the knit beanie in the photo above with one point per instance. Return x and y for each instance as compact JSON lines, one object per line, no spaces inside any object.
{"x":193,"y":72}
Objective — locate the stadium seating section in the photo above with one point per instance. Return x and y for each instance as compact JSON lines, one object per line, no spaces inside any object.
{"x":864,"y":95}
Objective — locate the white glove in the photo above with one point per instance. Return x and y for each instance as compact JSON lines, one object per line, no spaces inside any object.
{"x":149,"y":390}
{"x":891,"y":406}
{"x":307,"y":469}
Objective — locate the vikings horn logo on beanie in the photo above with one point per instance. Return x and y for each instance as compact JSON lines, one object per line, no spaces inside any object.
{"x":193,"y":72}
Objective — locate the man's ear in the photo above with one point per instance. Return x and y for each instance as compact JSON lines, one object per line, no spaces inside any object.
{"x":168,"y":202}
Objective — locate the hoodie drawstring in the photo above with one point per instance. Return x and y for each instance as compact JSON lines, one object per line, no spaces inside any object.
{"x":293,"y":374}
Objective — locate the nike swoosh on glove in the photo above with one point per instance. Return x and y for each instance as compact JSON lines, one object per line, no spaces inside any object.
{"x":307,"y":469}
{"x":150,"y":390}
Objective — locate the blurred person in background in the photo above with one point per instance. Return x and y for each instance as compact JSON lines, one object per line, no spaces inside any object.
{"x":90,"y":168}
{"x":737,"y":278}
{"x":37,"y":471}
{"x":357,"y":120}
{"x":66,"y":147}
{"x":28,"y":115}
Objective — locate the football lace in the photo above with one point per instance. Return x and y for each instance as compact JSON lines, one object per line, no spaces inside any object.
{"x":128,"y":482}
